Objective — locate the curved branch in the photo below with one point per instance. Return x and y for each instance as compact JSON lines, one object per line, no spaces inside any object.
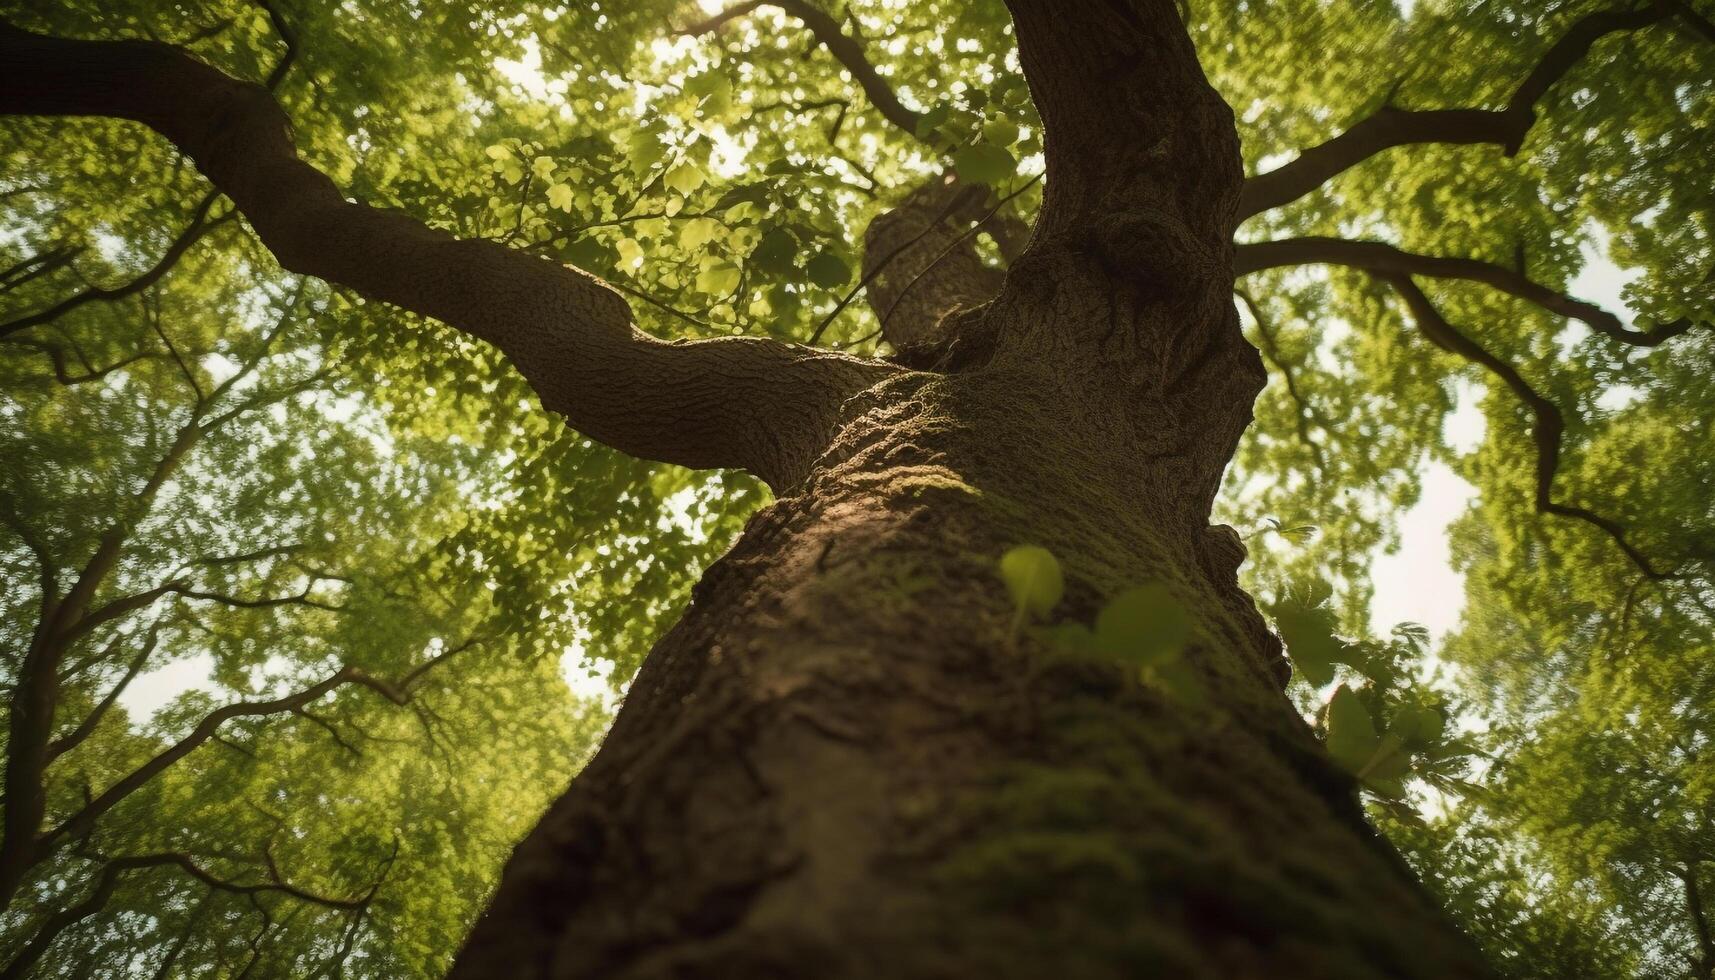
{"x":399,"y":693}
{"x":37,"y":265}
{"x":62,"y":370}
{"x":1550,"y":423}
{"x":1386,"y":260}
{"x":200,"y":225}
{"x":1307,"y":412}
{"x":108,"y":882}
{"x":1389,"y":127}
{"x":844,"y":48}
{"x":730,"y":402}
{"x":60,"y":746}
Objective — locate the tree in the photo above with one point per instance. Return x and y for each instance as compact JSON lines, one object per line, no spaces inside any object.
{"x":857,"y":753}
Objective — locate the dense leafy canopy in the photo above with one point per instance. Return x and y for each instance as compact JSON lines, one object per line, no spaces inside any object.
{"x":362,"y":529}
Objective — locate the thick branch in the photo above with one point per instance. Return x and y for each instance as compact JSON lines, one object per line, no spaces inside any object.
{"x":1142,"y":156}
{"x":732,"y":402}
{"x":1386,"y":260}
{"x":827,"y":31}
{"x":1550,"y":424}
{"x":1389,"y":127}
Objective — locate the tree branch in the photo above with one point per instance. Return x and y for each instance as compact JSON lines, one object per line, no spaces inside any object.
{"x":1386,"y":260}
{"x":845,"y":49}
{"x":37,"y":265}
{"x":1128,"y":66}
{"x":1389,"y":127}
{"x":62,"y":373}
{"x":199,"y":226}
{"x":107,"y":882}
{"x":72,"y":740}
{"x":729,"y":402}
{"x":1306,"y":411}
{"x":400,"y":693}
{"x":1550,"y":424}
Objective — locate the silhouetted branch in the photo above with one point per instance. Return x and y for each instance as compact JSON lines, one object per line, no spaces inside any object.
{"x":62,"y":372}
{"x":399,"y":692}
{"x":1550,"y":424}
{"x":844,"y":48}
{"x":37,"y":265}
{"x":1386,"y":260}
{"x":107,"y":882}
{"x":199,"y":226}
{"x":1306,"y":411}
{"x":1389,"y":126}
{"x":66,"y":743}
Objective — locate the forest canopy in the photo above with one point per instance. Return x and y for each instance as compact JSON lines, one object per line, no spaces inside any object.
{"x":311,"y":609}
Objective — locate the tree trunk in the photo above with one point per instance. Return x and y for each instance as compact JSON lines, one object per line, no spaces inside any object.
{"x":842,"y":762}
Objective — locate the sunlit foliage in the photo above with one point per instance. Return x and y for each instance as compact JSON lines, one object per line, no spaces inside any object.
{"x":350,"y":496}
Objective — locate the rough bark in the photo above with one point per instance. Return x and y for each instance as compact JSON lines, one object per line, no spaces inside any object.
{"x":734,"y":402}
{"x":843,"y":762}
{"x":922,"y":265}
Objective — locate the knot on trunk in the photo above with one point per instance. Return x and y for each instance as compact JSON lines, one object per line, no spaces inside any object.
{"x":924,"y":259}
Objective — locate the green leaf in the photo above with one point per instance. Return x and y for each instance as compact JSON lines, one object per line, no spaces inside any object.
{"x":644,"y":150}
{"x":1145,"y":625}
{"x":718,"y":278}
{"x":984,"y":163}
{"x":1419,"y":725}
{"x":774,"y":254}
{"x":699,"y":232}
{"x":712,"y":90}
{"x":929,"y":121}
{"x":542,"y":167}
{"x":590,"y":253}
{"x":829,"y":271}
{"x":1069,"y":637}
{"x":684,"y":178}
{"x":1178,"y":679}
{"x":1000,"y":132}
{"x":1351,"y":735}
{"x":754,"y":193}
{"x":1388,"y":763}
{"x":1308,"y":631}
{"x":1032,"y":576}
{"x":560,"y":196}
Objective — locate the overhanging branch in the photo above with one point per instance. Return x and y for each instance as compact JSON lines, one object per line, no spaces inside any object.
{"x":200,"y":225}
{"x":844,"y":48}
{"x":731,"y":402}
{"x":1549,"y":427}
{"x":1389,"y":127}
{"x":1387,"y":261}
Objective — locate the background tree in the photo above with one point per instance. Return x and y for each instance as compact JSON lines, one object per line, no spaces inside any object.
{"x":884,"y":761}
